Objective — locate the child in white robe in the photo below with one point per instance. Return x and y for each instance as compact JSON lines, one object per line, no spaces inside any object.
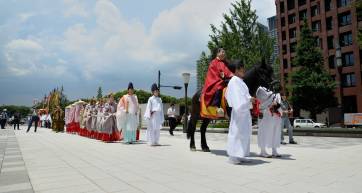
{"x":239,"y":99}
{"x":269,"y":130}
{"x":154,"y":116}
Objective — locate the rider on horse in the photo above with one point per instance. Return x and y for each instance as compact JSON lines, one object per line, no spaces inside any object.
{"x":216,"y":76}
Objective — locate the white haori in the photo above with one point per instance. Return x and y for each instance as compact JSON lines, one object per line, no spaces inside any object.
{"x":155,"y":118}
{"x":269,"y":127}
{"x":127,"y":110}
{"x":238,"y":97}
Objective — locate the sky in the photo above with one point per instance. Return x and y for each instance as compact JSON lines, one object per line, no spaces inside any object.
{"x":84,"y":44}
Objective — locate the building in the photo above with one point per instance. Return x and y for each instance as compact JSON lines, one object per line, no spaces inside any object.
{"x":333,"y":22}
{"x":273,"y":33}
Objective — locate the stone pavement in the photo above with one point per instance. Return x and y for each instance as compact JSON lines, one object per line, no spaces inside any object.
{"x":60,"y":162}
{"x":13,"y":174}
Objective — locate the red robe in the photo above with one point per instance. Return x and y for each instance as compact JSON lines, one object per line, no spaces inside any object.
{"x":213,"y":81}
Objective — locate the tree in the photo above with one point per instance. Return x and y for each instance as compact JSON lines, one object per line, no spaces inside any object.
{"x":99,"y":93}
{"x":202,"y":66}
{"x":241,"y":36}
{"x":312,"y":87}
{"x":358,"y":5}
{"x":11,"y":109}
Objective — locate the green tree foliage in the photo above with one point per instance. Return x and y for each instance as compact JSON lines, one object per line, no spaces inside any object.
{"x":358,"y":5}
{"x":202,"y":66}
{"x":241,"y":36}
{"x":312,"y":87}
{"x":11,"y":109}
{"x":99,"y":93}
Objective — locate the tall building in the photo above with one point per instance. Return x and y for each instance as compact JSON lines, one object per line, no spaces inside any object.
{"x":333,"y":22}
{"x":273,"y":33}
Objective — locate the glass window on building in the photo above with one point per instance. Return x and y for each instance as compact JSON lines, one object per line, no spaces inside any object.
{"x":316,"y":26}
{"x":333,"y":77}
{"x":302,"y":2}
{"x":293,"y":47}
{"x":315,"y":10}
{"x":290,"y":4}
{"x":291,"y":18}
{"x":344,"y":18}
{"x":281,"y":7}
{"x":302,"y":15}
{"x":331,"y":61}
{"x":348,"y":59}
{"x":328,"y":5}
{"x":348,"y":80}
{"x":284,"y":36}
{"x":282,"y":21}
{"x":329,"y":23}
{"x":330,"y":42}
{"x":285,"y":63}
{"x":292,"y":33}
{"x":350,"y":104}
{"x":318,"y":42}
{"x":345,"y":39}
{"x":284,"y":49}
{"x":343,"y":3}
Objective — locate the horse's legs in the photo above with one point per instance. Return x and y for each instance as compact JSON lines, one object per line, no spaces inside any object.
{"x":205,"y":123}
{"x":191,"y":132}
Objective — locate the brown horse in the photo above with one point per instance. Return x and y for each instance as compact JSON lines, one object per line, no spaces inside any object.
{"x":258,"y":75}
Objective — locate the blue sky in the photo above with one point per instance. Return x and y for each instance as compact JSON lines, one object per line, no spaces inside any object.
{"x":83,"y":44}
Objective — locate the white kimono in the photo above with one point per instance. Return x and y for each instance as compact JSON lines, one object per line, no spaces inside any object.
{"x":269,"y":129}
{"x":128,"y":122}
{"x":155,"y":119}
{"x":238,"y":97}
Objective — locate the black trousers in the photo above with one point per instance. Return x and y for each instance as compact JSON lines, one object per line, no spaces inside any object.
{"x":172,"y":123}
{"x":34,"y":119}
{"x":16,"y":123}
{"x":3,"y":122}
{"x":216,"y":101}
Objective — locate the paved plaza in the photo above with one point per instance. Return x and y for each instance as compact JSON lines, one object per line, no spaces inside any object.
{"x":47,"y":162}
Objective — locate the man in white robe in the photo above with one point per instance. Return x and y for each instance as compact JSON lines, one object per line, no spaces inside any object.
{"x":154,"y":116}
{"x":269,"y":131}
{"x":238,"y":97}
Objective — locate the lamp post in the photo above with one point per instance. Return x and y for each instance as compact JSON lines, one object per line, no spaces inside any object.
{"x":159,"y":83}
{"x":186,"y":79}
{"x":339,"y":67}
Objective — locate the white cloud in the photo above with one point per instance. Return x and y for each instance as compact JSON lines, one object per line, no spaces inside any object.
{"x":25,"y":16}
{"x":75,"y":8}
{"x":265,"y":9}
{"x":23,"y":56}
{"x":26,"y":56}
{"x":175,"y":36}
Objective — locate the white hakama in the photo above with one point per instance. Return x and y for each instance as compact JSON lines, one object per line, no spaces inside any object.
{"x":155,"y":118}
{"x":238,"y":97}
{"x":269,"y":127}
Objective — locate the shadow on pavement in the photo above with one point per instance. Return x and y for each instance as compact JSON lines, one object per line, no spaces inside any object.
{"x":253,"y":155}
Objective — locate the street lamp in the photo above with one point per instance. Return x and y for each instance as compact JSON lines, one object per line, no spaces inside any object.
{"x":339,"y":67}
{"x":186,"y":79}
{"x":159,"y":83}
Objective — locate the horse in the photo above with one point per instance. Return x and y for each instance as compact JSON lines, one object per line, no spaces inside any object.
{"x":259,"y":75}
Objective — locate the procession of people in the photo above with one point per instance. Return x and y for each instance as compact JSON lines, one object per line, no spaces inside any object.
{"x":106,"y":120}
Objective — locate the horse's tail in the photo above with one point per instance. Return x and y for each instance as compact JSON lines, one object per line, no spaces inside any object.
{"x":195,"y":113}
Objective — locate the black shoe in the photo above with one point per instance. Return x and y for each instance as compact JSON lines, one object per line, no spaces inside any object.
{"x":293,"y":142}
{"x":283,"y":143}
